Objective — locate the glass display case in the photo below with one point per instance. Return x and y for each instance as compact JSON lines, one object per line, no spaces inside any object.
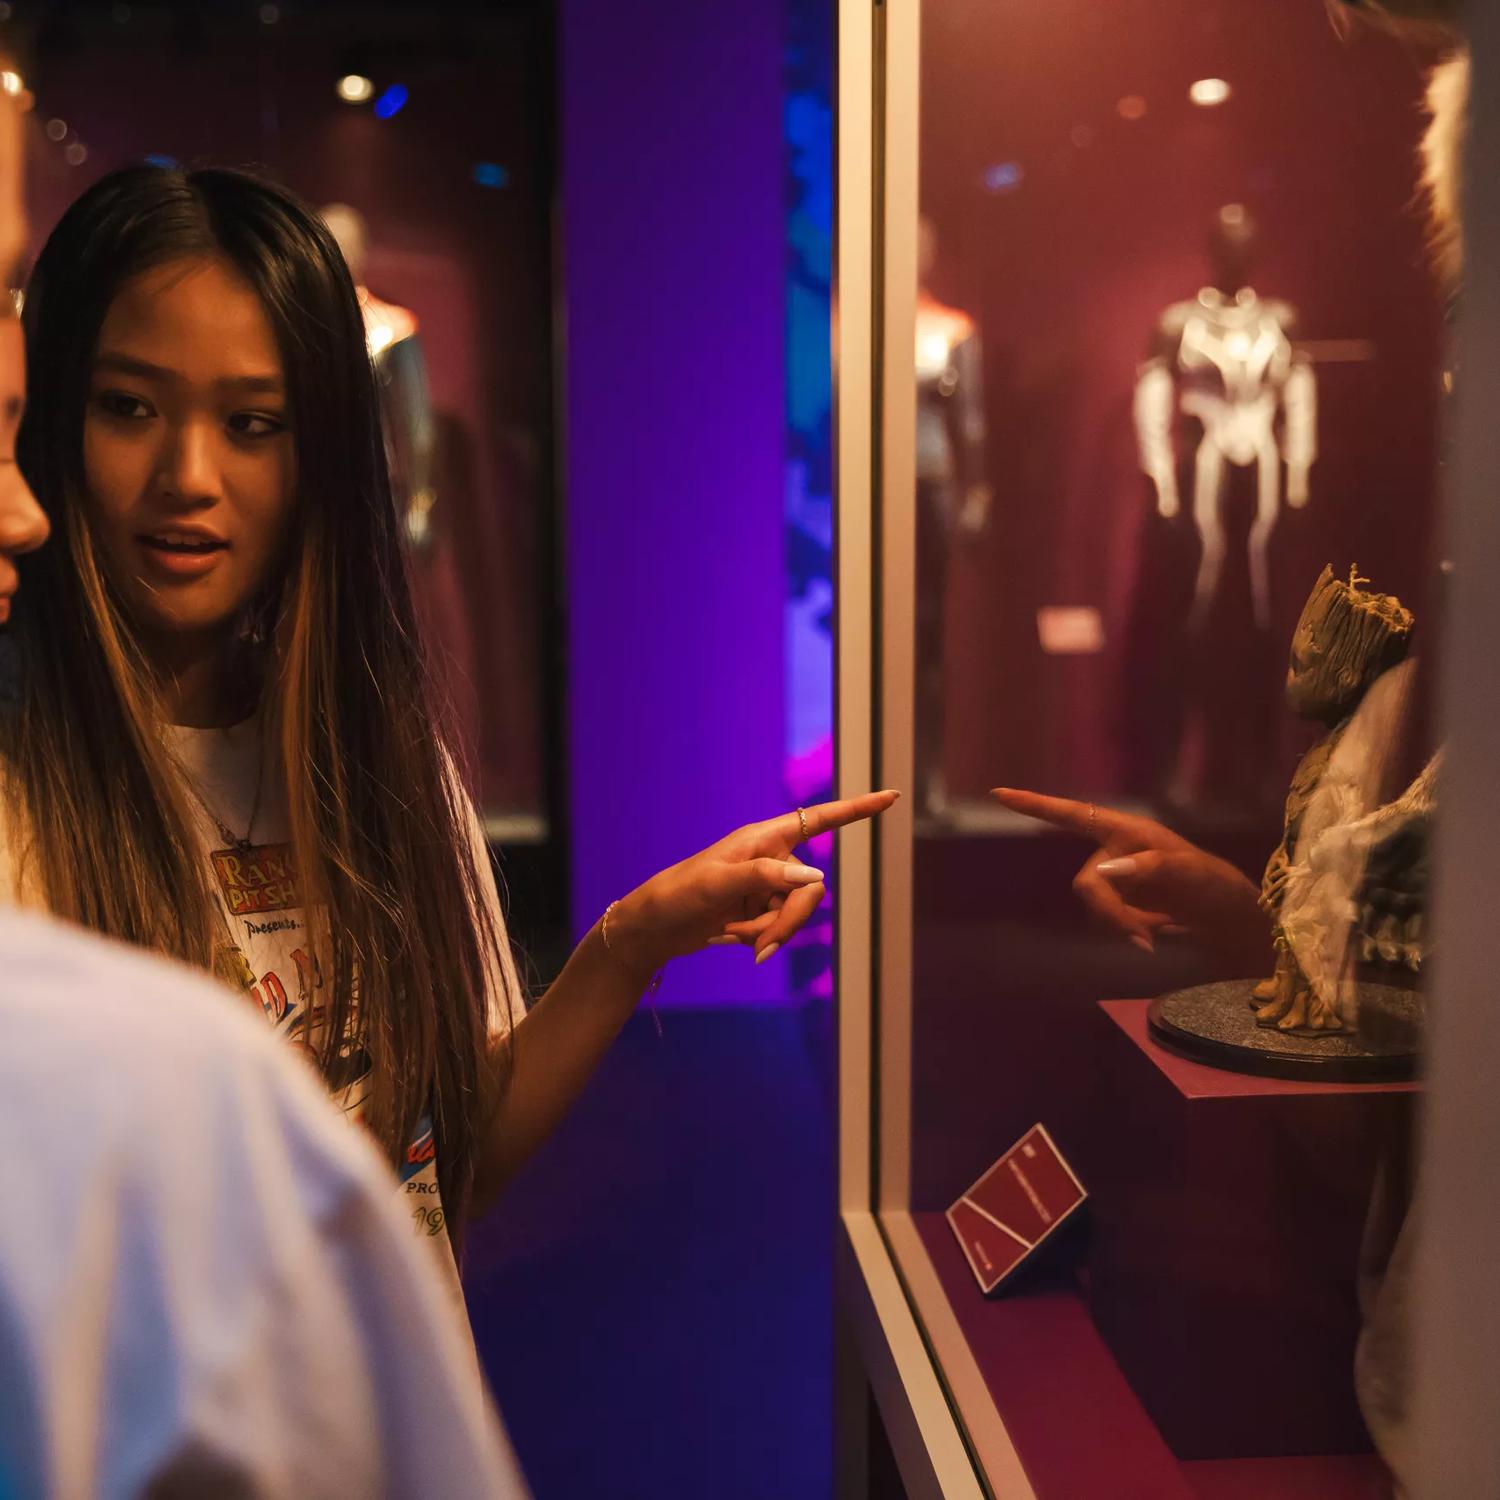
{"x":1146,"y":356}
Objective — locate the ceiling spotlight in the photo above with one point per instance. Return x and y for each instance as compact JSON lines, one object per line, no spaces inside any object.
{"x":11,"y":82}
{"x":1208,"y":92}
{"x":354,"y":88}
{"x":1131,"y":107}
{"x":57,"y":130}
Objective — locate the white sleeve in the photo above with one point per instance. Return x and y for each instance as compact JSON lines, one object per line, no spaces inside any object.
{"x":207,"y":1284}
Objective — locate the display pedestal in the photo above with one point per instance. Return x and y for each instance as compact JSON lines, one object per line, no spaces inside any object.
{"x":1215,"y":1024}
{"x":1228,"y":1212}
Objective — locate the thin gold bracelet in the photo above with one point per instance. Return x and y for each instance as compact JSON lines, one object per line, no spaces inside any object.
{"x":651,"y":988}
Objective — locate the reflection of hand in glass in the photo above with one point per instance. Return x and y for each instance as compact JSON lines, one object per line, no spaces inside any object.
{"x":1145,"y":881}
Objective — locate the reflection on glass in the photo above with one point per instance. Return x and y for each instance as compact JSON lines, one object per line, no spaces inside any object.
{"x":1182,"y":486}
{"x":953,"y":497}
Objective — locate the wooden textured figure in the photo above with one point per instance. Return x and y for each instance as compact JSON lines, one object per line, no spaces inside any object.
{"x":1345,"y":639}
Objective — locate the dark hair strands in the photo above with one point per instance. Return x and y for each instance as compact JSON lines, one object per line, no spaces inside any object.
{"x":390,"y":880}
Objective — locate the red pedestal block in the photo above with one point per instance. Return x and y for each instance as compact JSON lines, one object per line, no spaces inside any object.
{"x":1227,"y":1217}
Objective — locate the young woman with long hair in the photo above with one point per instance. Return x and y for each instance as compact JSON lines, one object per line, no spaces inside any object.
{"x":225,"y":748}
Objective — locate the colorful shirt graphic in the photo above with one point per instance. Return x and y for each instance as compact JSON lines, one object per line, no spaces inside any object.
{"x":256,"y":880}
{"x":268,"y":952}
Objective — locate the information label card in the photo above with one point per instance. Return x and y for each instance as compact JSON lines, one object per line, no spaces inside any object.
{"x":1021,"y":1201}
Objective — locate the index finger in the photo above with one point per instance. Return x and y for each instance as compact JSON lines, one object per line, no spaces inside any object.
{"x":1087,"y":819}
{"x":828,"y":815}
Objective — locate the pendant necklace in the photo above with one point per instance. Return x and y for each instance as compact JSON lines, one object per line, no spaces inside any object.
{"x":231,"y":839}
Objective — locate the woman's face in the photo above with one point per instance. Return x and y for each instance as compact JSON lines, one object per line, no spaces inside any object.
{"x":23,"y":526}
{"x":189,"y":465}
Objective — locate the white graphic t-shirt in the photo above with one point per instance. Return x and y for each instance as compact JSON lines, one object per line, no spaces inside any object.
{"x":268,"y":951}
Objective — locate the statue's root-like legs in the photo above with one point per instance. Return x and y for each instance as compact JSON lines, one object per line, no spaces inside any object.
{"x":1276,"y":993}
{"x":1290,"y":1003}
{"x":1303,"y":1011}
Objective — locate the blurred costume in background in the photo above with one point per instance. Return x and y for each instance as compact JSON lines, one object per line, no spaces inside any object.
{"x":1223,"y":407}
{"x":401,"y":373}
{"x":426,"y":452}
{"x":1223,"y":376}
{"x":953,"y":498}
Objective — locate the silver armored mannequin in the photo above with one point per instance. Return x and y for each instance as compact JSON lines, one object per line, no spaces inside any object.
{"x":1224,"y":377}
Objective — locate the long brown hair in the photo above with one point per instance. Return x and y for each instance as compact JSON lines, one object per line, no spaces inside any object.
{"x":391,"y":881}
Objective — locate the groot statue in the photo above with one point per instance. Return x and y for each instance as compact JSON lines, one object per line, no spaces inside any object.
{"x":1345,"y":640}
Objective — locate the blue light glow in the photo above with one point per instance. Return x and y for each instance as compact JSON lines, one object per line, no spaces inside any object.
{"x":807,"y":127}
{"x":157,"y":159}
{"x":491,"y":174}
{"x":391,"y":102}
{"x":1003,"y":177}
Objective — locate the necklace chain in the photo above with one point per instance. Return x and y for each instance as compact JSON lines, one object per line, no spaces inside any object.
{"x":225,"y":832}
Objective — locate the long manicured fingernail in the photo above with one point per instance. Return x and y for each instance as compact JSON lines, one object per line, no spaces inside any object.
{"x":891,"y":792}
{"x":801,"y":874}
{"x":766,"y":952}
{"x":1112,"y":869}
{"x":1143,"y":943}
{"x":722,"y":942}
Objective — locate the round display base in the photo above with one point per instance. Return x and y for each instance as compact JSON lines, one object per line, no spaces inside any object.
{"x":1214,"y":1024}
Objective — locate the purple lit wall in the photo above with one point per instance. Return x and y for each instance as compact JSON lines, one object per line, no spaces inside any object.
{"x":673,"y":244}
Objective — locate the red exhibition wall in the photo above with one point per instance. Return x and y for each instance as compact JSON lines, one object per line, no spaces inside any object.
{"x":1066,"y":229}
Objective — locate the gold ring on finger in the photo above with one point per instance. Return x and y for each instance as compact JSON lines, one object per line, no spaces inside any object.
{"x":802,"y":823}
{"x":1093,"y":818}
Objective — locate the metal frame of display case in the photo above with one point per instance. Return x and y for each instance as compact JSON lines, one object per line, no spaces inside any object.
{"x":897,"y":1305}
{"x":945,"y":1432}
{"x":914,"y":1408}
